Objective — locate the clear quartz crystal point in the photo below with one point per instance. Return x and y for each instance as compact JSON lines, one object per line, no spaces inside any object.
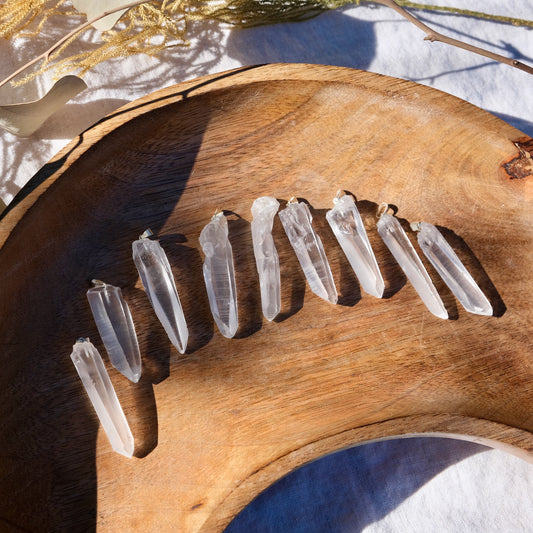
{"x":115,"y":325}
{"x":296,"y":220}
{"x":264,"y":210}
{"x":348,"y":227}
{"x":219,"y":275}
{"x":451,"y":269}
{"x":401,"y":248}
{"x":95,"y":379}
{"x":158,"y":281}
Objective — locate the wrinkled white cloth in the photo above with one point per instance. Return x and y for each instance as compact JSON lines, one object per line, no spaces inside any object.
{"x":415,"y":485}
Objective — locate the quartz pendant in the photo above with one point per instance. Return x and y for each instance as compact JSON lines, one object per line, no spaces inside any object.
{"x":401,"y":248}
{"x":95,"y":379}
{"x":158,"y":281}
{"x":115,"y":325}
{"x":451,"y":269}
{"x":266,"y":256}
{"x":346,"y":223}
{"x":296,"y":220}
{"x":219,"y":275}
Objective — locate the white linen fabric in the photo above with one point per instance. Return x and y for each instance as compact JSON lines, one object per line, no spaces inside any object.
{"x":422,"y":484}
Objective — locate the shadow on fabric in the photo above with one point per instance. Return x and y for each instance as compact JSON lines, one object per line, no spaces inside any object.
{"x":330,"y":39}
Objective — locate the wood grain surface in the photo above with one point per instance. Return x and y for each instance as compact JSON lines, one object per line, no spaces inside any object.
{"x":216,"y":426}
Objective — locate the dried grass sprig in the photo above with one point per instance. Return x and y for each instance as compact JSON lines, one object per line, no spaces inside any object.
{"x":147,"y":30}
{"x":17,"y":15}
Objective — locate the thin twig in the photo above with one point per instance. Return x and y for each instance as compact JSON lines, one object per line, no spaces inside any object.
{"x":432,"y":35}
{"x":79,"y":29}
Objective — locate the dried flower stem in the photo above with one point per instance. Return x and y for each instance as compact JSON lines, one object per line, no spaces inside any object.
{"x":433,"y":36}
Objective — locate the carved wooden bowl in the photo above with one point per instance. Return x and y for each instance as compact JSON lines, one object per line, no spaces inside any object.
{"x":216,"y":426}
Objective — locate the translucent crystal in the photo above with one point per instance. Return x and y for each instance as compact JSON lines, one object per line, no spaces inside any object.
{"x":401,"y":248}
{"x":296,"y":220}
{"x":346,"y":223}
{"x":115,"y":325}
{"x":451,"y":269}
{"x":158,"y":281}
{"x":96,"y":381}
{"x":219,"y":275}
{"x":266,"y":256}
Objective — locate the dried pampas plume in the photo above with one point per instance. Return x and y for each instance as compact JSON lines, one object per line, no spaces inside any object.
{"x":17,"y":15}
{"x":147,"y":29}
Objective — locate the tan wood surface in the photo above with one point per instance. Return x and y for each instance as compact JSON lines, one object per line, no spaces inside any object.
{"x":219,"y":424}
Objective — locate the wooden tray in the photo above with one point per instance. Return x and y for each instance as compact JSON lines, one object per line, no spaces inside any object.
{"x":216,"y":426}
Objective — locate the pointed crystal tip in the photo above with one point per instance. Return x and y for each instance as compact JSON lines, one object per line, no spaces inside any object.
{"x":441,"y":313}
{"x":333,"y":298}
{"x":227,"y":330}
{"x":135,"y":377}
{"x":270,"y":315}
{"x":378,"y":290}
